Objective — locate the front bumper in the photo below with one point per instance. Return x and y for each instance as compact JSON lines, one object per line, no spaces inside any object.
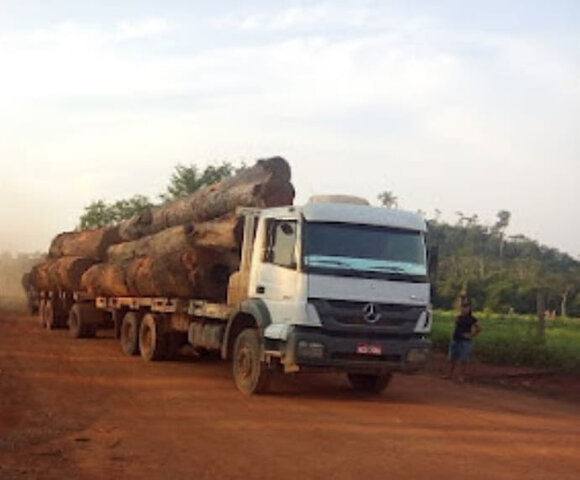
{"x":313,"y":348}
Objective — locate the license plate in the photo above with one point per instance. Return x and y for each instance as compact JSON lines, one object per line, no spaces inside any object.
{"x":369,"y":349}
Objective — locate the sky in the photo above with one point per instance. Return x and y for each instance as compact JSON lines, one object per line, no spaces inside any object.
{"x":456,"y":106}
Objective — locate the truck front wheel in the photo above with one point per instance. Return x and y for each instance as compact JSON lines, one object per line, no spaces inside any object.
{"x":250,"y":373}
{"x":369,"y":383}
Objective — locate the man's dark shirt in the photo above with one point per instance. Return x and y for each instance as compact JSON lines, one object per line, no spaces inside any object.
{"x":463,"y":324}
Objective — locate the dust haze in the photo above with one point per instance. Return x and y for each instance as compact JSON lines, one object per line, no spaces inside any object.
{"x":12,"y":268}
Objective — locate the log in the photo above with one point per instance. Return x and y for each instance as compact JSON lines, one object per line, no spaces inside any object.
{"x":221,"y":234}
{"x":190,"y":273}
{"x":61,"y":274}
{"x":195,"y":273}
{"x":106,"y":279}
{"x":39,"y":276}
{"x":266,"y":184}
{"x":87,"y":243}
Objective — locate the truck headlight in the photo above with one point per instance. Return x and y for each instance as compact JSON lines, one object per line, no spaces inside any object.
{"x":310,"y":349}
{"x":417,"y":355}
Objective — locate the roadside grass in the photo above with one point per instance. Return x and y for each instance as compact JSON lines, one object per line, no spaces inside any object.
{"x":513,"y":340}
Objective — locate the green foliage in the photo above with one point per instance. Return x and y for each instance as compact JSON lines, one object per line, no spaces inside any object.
{"x":187,"y":179}
{"x":512,"y":340}
{"x":101,"y":214}
{"x":500,"y":274}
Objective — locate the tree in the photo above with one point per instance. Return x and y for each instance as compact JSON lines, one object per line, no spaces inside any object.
{"x":503,"y":220}
{"x":101,"y":214}
{"x":566,"y":283}
{"x":388,"y":199}
{"x":187,"y":179}
{"x":184,"y":180}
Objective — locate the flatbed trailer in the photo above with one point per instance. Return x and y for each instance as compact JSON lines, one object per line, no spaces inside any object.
{"x":168,"y":323}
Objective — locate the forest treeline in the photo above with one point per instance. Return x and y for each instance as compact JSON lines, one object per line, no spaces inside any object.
{"x":500,"y":273}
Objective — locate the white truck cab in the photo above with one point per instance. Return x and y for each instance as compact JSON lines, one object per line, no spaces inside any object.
{"x":335,"y":284}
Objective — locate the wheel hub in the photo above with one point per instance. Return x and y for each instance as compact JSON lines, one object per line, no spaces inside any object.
{"x":245,"y":363}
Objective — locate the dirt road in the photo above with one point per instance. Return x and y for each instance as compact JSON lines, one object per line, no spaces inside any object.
{"x":79,"y":409}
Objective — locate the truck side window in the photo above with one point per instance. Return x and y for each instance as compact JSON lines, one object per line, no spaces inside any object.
{"x":281,"y":243}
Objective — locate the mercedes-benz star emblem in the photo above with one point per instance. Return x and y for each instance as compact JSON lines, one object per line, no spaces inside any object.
{"x":370,"y":313}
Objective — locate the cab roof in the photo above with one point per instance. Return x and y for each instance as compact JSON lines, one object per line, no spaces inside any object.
{"x":357,"y":214}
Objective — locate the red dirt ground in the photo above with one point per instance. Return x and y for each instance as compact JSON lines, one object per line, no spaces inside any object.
{"x":79,"y":409}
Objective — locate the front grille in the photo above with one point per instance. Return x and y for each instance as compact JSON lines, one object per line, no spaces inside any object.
{"x":343,"y":314}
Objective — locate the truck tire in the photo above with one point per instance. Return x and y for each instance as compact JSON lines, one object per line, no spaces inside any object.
{"x":369,"y":383}
{"x":251,"y":375}
{"x":80,"y":324}
{"x":50,"y":317}
{"x":152,"y":339}
{"x":41,"y":308}
{"x":129,"y":335}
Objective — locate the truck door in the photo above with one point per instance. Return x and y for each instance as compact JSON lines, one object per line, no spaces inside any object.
{"x":275,"y":274}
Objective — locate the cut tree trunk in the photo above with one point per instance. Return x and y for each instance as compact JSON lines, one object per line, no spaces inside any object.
{"x":61,"y":274}
{"x":191,"y":273}
{"x":87,"y":243}
{"x":39,"y":276}
{"x":266,"y":184}
{"x":106,"y":280}
{"x":220,"y":234}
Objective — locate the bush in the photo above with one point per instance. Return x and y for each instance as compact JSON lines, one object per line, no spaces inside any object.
{"x":513,"y":340}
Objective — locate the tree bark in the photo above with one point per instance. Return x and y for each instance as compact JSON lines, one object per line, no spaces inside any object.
{"x":541,"y":311}
{"x":221,"y":234}
{"x":106,"y":279}
{"x":87,"y":243}
{"x":564,"y":301}
{"x":191,"y":273}
{"x":266,"y":184}
{"x":61,"y":274}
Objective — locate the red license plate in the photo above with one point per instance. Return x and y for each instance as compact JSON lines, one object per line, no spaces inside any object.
{"x":369,"y":349}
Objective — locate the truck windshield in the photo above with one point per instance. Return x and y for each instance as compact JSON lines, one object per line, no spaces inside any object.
{"x":364,"y":250}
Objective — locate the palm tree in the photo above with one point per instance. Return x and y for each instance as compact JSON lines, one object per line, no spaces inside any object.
{"x":388,"y":199}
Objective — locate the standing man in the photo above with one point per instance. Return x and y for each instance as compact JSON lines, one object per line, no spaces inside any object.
{"x":466,"y":327}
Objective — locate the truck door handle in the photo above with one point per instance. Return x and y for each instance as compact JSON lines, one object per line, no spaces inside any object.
{"x":260,"y":289}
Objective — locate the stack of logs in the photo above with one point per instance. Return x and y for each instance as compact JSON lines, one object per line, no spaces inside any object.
{"x":186,"y":248}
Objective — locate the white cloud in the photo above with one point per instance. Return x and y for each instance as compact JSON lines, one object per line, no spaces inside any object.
{"x":418,"y":109}
{"x":146,"y":28}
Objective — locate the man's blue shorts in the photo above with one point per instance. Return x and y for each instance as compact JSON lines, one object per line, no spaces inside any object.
{"x":459,"y":350}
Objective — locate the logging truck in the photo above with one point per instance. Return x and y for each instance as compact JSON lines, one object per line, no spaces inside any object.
{"x":333,"y":285}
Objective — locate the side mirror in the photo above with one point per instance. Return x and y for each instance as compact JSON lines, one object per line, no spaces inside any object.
{"x":287,"y":229}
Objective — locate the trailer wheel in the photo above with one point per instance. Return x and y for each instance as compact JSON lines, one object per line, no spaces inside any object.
{"x":79,"y":321}
{"x":152,"y":339}
{"x":41,"y":307}
{"x":369,"y":383}
{"x":129,"y":335}
{"x":250,"y":373}
{"x":51,"y":317}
